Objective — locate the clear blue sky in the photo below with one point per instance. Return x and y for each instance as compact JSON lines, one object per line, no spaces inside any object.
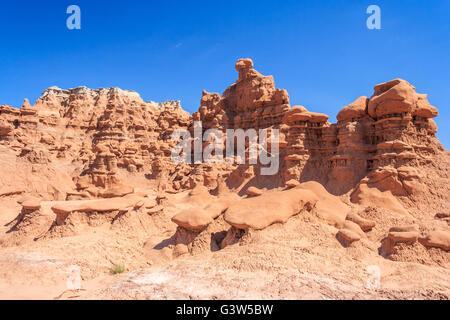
{"x":320,"y":51}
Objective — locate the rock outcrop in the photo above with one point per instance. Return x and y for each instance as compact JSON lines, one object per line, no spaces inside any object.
{"x":251,"y":102}
{"x":92,"y":171}
{"x":379,"y":141}
{"x":110,"y":139}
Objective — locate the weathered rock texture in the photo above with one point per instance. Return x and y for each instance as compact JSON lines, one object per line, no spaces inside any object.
{"x":96,"y":165}
{"x":378,"y":141}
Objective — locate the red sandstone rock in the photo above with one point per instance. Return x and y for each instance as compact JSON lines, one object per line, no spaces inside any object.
{"x":254,"y":192}
{"x":364,"y":224}
{"x":122,"y":132}
{"x":354,"y":111}
{"x":269,"y":208}
{"x":437,"y":239}
{"x":408,"y":237}
{"x":347,"y":237}
{"x":117,"y":191}
{"x":30,"y":203}
{"x":8,"y":191}
{"x":278,"y":206}
{"x":382,"y":155}
{"x":193,"y":219}
{"x":112,"y":204}
{"x":382,"y":152}
{"x":292,"y":183}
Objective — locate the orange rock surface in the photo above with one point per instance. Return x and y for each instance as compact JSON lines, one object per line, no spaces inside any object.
{"x":87,"y":179}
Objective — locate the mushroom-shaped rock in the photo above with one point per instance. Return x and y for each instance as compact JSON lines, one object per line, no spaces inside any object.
{"x":296,"y":113}
{"x":355,"y":110}
{"x":269,"y":208}
{"x":199,"y":219}
{"x":193,"y":219}
{"x":318,"y":117}
{"x":26,"y":103}
{"x":297,"y":109}
{"x":243,"y":64}
{"x":105,"y":205}
{"x":395,"y":96}
{"x":300,"y":113}
{"x":30,"y":203}
{"x":254,"y":192}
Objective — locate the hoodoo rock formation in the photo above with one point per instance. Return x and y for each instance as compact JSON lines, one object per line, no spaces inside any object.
{"x":81,"y":159}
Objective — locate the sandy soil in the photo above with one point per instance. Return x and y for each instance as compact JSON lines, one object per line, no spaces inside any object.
{"x":301,"y":259}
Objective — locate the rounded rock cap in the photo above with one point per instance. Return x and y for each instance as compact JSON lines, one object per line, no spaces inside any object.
{"x":354,"y":110}
{"x":243,"y":64}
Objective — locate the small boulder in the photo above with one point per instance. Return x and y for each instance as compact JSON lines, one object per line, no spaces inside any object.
{"x":403,"y":237}
{"x":292,"y":183}
{"x":30,"y":203}
{"x":254,"y":192}
{"x":437,"y":239}
{"x":364,"y":224}
{"x":347,"y":237}
{"x":353,"y":111}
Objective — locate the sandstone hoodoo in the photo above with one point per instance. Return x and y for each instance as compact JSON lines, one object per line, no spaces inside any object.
{"x":88,"y":177}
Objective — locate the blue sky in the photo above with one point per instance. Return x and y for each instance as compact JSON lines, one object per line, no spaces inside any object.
{"x":320,"y":51}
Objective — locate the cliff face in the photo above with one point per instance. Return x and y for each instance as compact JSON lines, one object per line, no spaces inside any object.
{"x":379,"y":141}
{"x":98,"y":131}
{"x":392,"y":129}
{"x":251,"y":102}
